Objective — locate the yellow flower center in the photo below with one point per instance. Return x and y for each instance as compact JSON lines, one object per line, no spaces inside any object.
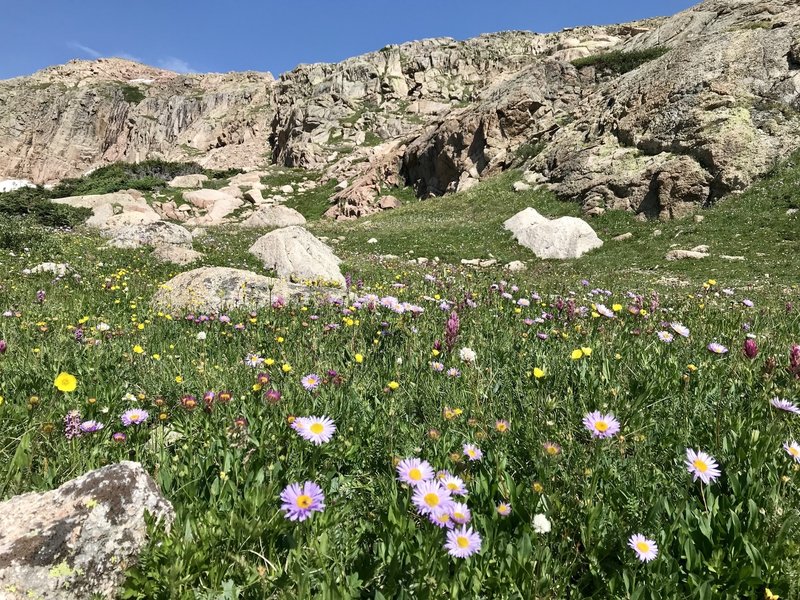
{"x":459,"y":515}
{"x":415,"y":474}
{"x":303,"y":501}
{"x":431,"y":499}
{"x":794,"y":451}
{"x":444,"y":517}
{"x":462,"y":541}
{"x":501,"y":427}
{"x":551,"y":450}
{"x":316,"y":428}
{"x":643,"y":547}
{"x":471,"y":453}
{"x":452,"y":485}
{"x":700,"y":465}
{"x":601,"y":426}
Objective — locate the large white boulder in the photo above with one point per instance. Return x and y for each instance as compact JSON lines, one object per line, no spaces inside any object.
{"x":522,"y":220}
{"x":274,"y":216}
{"x":565,"y":237}
{"x":294,"y":253}
{"x":113,"y":211}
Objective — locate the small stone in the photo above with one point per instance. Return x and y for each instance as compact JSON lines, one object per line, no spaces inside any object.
{"x":731,"y":258}
{"x":372,"y":241}
{"x":342,"y":185}
{"x":521,"y":186}
{"x":699,"y":218}
{"x":471,"y":262}
{"x":488,"y":263}
{"x":685,"y":254}
{"x":621,"y":238}
{"x":657,"y":233}
{"x":516,"y":266}
{"x":791,"y":211}
{"x":700,"y":248}
{"x":287,"y":189}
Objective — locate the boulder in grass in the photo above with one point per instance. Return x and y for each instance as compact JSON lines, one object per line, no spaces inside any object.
{"x":563,"y":238}
{"x":294,"y":253}
{"x":76,"y":542}
{"x":188,"y":181}
{"x":218,"y":289}
{"x":274,"y":216}
{"x":160,"y":233}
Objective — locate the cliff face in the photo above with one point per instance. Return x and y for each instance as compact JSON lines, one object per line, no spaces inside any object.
{"x":701,"y":121}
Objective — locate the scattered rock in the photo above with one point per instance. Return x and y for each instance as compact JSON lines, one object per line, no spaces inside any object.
{"x":388,"y":202}
{"x":294,"y":253}
{"x":471,"y":262}
{"x":488,"y":263}
{"x":287,"y":189}
{"x":699,"y":218}
{"x":217,"y":289}
{"x":254,"y":196}
{"x":621,"y":238}
{"x":153,"y":234}
{"x":731,"y":258}
{"x":516,"y":266}
{"x":274,"y":216}
{"x":521,"y":186}
{"x":76,"y":542}
{"x":657,"y":233}
{"x":199,"y":232}
{"x":700,"y":248}
{"x":57,"y":269}
{"x":685,"y":254}
{"x":206,"y":198}
{"x":177,"y":255}
{"x":372,"y":241}
{"x":341,"y":186}
{"x":112,"y":211}
{"x":188,"y":181}
{"x":791,"y":211}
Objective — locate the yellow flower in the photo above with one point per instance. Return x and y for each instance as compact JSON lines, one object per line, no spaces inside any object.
{"x":538,"y":373}
{"x":286,"y":368}
{"x":359,"y":358}
{"x":65,"y":382}
{"x":269,"y":362}
{"x":691,"y":368}
{"x":178,"y":379}
{"x":618,"y":356}
{"x":2,"y":400}
{"x":712,"y":282}
{"x":140,"y":326}
{"x":577,"y":354}
{"x":280,"y":340}
{"x":434,"y":352}
{"x":393,"y":385}
{"x":138,"y":349}
{"x":538,"y":487}
{"x":586,"y":351}
{"x":616,"y":307}
{"x":83,"y":320}
{"x":156,"y":357}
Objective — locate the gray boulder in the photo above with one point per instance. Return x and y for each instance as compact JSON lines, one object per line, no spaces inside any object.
{"x":566,"y":237}
{"x":274,"y":216}
{"x":155,"y":234}
{"x":294,"y":253}
{"x":188,"y":181}
{"x":177,"y":255}
{"x":76,"y":542}
{"x":216,"y":289}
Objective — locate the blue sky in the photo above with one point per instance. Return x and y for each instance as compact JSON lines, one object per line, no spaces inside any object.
{"x":270,"y":35}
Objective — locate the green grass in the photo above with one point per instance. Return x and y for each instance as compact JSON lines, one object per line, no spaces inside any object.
{"x":619,"y":61}
{"x":131,"y":93}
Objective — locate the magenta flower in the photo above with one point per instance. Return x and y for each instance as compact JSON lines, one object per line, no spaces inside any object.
{"x":301,"y":500}
{"x":794,"y":360}
{"x":600,"y":425}
{"x":272,"y":396}
{"x":413,"y":471}
{"x":91,"y":426}
{"x":317,"y":430}
{"x":646,"y":550}
{"x":463,"y":542}
{"x":750,"y":348}
{"x":702,"y":466}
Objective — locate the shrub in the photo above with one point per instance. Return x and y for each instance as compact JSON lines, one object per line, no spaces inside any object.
{"x":35,"y":204}
{"x":144,"y":176}
{"x":620,"y":61}
{"x":529,"y":150}
{"x":18,"y":234}
{"x":132,"y":94}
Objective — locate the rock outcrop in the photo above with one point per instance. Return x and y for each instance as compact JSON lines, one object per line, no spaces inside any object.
{"x":274,"y":216}
{"x":701,"y":120}
{"x":160,"y":233}
{"x":76,"y":542}
{"x":292,"y":252}
{"x":216,"y":289}
{"x":114,"y":211}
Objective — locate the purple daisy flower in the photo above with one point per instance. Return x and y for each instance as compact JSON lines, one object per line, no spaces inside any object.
{"x":605,"y":311}
{"x":134,"y":416}
{"x":441,"y":518}
{"x":431,"y":496}
{"x":646,"y":550}
{"x":503,"y":509}
{"x":460,"y":513}
{"x":472,"y":452}
{"x":601,"y":426}
{"x":301,"y":500}
{"x":310,"y":382}
{"x":665,"y":336}
{"x":681,"y":330}
{"x":782,"y":404}
{"x":413,"y":471}
{"x":453,"y":372}
{"x":702,"y":466}
{"x":463,"y":542}
{"x":455,"y":485}
{"x":717,"y":348}
{"x":317,"y":430}
{"x":91,"y":426}
{"x":793,"y":449}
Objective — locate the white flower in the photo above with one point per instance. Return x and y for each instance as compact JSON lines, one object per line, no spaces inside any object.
{"x":103,"y":327}
{"x":201,"y":336}
{"x":468,"y":355}
{"x":541,"y":524}
{"x":129,"y":397}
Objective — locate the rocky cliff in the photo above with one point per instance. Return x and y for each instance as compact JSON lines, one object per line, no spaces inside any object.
{"x":714,"y":110}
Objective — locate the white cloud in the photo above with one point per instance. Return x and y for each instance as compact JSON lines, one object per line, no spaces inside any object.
{"x":85,"y":49}
{"x":170,"y":63}
{"x":127,"y":56}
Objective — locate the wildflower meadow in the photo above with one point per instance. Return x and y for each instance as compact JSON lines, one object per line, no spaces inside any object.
{"x":440,"y":433}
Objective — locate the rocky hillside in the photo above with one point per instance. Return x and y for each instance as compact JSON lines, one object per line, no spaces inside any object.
{"x":656,"y":117}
